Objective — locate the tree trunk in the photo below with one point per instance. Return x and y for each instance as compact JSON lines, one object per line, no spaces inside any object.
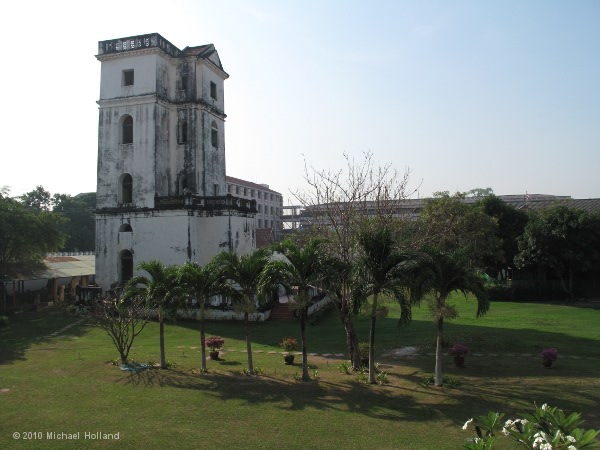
{"x":351,"y":336}
{"x":305,"y":376}
{"x":438,"y":353}
{"x":571,"y":292}
{"x":248,"y":345}
{"x":372,"y":379}
{"x":202,"y":340}
{"x":161,"y":323}
{"x":352,"y":343}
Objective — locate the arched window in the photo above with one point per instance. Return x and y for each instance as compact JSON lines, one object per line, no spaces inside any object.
{"x":126,"y":265}
{"x":127,"y":129}
{"x":125,"y":228}
{"x":125,"y":189}
{"x":214,"y":135}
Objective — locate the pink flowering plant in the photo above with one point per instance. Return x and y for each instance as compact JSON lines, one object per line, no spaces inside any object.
{"x":214,"y":343}
{"x":549,"y":354}
{"x":459,"y":350}
{"x":289,"y":344}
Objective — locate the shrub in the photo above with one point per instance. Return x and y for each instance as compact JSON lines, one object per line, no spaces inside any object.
{"x":549,"y":354}
{"x":3,"y":321}
{"x":289,"y":344}
{"x":546,"y":428}
{"x":214,"y":343}
{"x":458,"y":350}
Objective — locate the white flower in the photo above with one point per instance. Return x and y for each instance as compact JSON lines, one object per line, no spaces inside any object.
{"x":508,"y":423}
{"x":571,"y":439}
{"x":546,"y":447}
{"x":505,"y":432}
{"x":571,"y":447}
{"x":466,"y":425}
{"x":544,"y":406}
{"x":524,"y":421}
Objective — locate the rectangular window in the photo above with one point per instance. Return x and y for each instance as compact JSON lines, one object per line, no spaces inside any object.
{"x":260,"y":208}
{"x":237,"y":190}
{"x":184,"y":82}
{"x":214,"y":137}
{"x":128,"y":77}
{"x":213,"y":90}
{"x":229,"y":188}
{"x":259,"y":223}
{"x":258,"y":194}
{"x":183,"y":132}
{"x":252,"y":193}
{"x":215,"y":190}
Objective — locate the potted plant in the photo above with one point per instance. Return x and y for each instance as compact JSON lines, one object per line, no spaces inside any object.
{"x":289,"y":345}
{"x":214,"y":343}
{"x":549,"y":355}
{"x":459,"y":351}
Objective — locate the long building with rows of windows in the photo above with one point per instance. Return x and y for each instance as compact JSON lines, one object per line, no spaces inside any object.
{"x":161,"y":190}
{"x":269,"y":206}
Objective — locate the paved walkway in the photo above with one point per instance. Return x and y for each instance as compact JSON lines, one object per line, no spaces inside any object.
{"x":397,"y":354}
{"x":62,"y":330}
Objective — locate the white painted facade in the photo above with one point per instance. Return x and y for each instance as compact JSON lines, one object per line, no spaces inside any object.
{"x":161,"y":190}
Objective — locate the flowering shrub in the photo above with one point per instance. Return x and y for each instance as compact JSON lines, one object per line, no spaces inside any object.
{"x":549,"y":354}
{"x":458,"y":350}
{"x":289,"y":344}
{"x":547,"y":428}
{"x":214,"y":343}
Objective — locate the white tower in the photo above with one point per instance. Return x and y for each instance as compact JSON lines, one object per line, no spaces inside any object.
{"x":161,"y":159}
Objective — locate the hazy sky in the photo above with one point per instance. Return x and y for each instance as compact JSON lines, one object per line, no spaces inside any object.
{"x":465,"y":94}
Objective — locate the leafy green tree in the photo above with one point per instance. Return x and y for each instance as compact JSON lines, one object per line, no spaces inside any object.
{"x":161,"y":290}
{"x":80,"y":227}
{"x":201,"y":284}
{"x":384,"y":271}
{"x":26,"y":235}
{"x":39,"y":198}
{"x":246,"y":273}
{"x":449,"y":223}
{"x":511,"y":225}
{"x":444,"y":273}
{"x":564,"y":240}
{"x":303,"y":270}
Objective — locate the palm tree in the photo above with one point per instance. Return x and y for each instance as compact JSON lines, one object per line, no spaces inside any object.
{"x":201,"y":284}
{"x":303,"y":270}
{"x":161,"y":291}
{"x":448,"y":272}
{"x":245,"y":272}
{"x":385,"y":271}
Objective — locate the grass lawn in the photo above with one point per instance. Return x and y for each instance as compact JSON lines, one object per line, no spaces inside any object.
{"x":66,"y":383}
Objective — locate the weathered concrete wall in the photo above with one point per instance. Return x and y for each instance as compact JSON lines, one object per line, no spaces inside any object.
{"x":173,"y":237}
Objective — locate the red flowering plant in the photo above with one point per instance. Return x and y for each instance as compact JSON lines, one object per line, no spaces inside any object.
{"x":214,"y":343}
{"x":458,"y":350}
{"x":289,"y":344}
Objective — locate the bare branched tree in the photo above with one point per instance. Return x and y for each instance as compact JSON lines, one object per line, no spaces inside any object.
{"x":123,"y":320}
{"x":336,"y":204}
